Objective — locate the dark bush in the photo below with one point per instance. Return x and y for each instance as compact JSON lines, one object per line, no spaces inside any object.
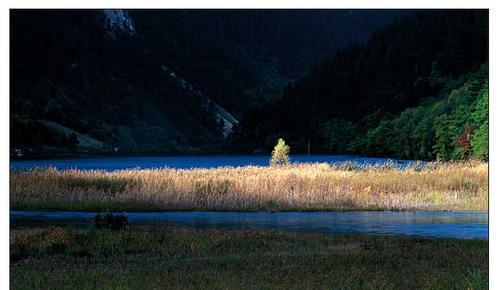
{"x":109,"y":220}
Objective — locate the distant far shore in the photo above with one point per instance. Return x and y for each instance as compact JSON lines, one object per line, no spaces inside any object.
{"x":43,"y":155}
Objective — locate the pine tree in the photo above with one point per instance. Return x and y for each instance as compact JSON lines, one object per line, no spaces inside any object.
{"x":279,"y":156}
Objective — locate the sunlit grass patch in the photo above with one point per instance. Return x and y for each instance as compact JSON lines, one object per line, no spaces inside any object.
{"x":320,"y":186}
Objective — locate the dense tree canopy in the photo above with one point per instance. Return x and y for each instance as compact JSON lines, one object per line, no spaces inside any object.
{"x":410,"y":92}
{"x":453,"y":126}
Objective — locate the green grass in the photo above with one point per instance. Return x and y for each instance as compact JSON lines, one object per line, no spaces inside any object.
{"x":164,"y":257}
{"x":99,"y":183}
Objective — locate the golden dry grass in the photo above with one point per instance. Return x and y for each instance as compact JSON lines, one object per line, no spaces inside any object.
{"x":436,"y":186}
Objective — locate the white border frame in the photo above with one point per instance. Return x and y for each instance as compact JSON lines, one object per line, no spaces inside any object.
{"x":494,"y":177}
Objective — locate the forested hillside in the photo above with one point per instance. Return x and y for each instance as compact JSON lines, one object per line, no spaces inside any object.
{"x":144,"y":81}
{"x":452,"y":126}
{"x":416,"y":89}
{"x":87,"y":72}
{"x":407,"y":84}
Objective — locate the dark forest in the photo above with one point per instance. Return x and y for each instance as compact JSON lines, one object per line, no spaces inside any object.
{"x":406,"y":84}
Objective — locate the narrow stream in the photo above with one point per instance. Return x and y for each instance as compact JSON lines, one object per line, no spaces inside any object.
{"x":435,"y":224}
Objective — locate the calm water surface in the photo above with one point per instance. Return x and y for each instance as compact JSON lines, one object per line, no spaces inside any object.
{"x":436,"y":224}
{"x":183,"y":162}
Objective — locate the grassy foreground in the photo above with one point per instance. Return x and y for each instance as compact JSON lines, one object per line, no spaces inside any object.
{"x":435,"y":186}
{"x":185,"y":258}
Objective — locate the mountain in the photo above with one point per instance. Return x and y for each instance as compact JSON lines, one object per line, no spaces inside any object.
{"x":419,"y":58}
{"x":87,"y":71}
{"x":161,"y":81}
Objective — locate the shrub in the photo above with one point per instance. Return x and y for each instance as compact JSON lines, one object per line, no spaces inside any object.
{"x":279,"y":156}
{"x":19,"y":245}
{"x":56,"y":239}
{"x":110,"y":221}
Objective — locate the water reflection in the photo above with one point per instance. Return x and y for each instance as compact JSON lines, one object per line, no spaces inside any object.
{"x":462,"y":225}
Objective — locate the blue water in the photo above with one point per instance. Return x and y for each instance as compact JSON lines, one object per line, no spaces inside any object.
{"x":182,"y":162}
{"x":434,"y":224}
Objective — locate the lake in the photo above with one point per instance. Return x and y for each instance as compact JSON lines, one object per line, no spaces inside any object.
{"x":183,"y":162}
{"x":434,"y":224}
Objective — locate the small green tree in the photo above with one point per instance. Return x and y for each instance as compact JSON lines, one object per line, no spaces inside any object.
{"x":279,"y":156}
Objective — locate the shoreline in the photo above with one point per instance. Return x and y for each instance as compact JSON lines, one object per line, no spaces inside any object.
{"x":479,"y":211}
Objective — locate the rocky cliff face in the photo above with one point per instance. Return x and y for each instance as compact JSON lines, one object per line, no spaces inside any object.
{"x":119,"y":20}
{"x":227,"y":120}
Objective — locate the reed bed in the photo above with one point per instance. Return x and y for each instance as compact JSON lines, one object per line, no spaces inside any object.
{"x":320,"y":186}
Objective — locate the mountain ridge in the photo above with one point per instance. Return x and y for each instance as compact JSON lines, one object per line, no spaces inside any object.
{"x":99,"y":72}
